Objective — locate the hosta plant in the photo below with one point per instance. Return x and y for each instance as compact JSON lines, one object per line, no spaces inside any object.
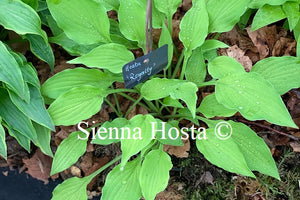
{"x":104,"y":46}
{"x":22,"y":108}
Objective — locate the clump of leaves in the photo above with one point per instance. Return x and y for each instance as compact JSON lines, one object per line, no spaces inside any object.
{"x":22,"y":108}
{"x":83,"y":28}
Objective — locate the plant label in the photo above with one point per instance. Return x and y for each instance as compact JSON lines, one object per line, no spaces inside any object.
{"x":144,"y":67}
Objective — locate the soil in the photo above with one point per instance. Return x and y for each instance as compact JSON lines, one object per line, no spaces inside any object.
{"x":192,"y":176}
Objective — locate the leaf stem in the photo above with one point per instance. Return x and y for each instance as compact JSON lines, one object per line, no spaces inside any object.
{"x":90,"y":177}
{"x":132,"y":99}
{"x":133,"y":105}
{"x":152,"y":106}
{"x":211,"y":82}
{"x":169,"y":19}
{"x":117,"y":103}
{"x":183,"y":68}
{"x":114,"y":91}
{"x":178,"y":65}
{"x":113,"y":107}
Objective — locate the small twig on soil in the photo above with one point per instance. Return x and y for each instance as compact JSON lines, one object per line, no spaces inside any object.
{"x":269,"y":128}
{"x":149,"y":29}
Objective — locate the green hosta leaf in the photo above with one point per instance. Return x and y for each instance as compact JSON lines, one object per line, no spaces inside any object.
{"x":165,"y":133}
{"x":111,"y":4}
{"x":187,"y":115}
{"x":68,"y":152}
{"x":118,"y":39}
{"x":11,"y":73}
{"x":196,"y":68}
{"x":85,"y":22}
{"x":297,"y":33}
{"x":254,"y":97}
{"x":28,"y":71}
{"x":76,"y":105}
{"x":19,"y":17}
{"x":123,"y":182}
{"x":223,"y":153}
{"x":14,"y":117}
{"x":213,"y":44}
{"x":72,"y":188}
{"x":277,"y":70}
{"x":114,"y":27}
{"x":68,"y":79}
{"x":3,"y":148}
{"x":138,"y":136}
{"x":70,"y":46}
{"x":177,"y":89}
{"x":168,"y":7}
{"x":132,"y":27}
{"x":41,"y":48}
{"x":256,"y":153}
{"x":35,"y":109}
{"x":223,"y":15}
{"x":210,"y":108}
{"x":210,"y":55}
{"x":116,"y":132}
{"x":154,"y":175}
{"x":169,"y":101}
{"x":260,"y":3}
{"x":32,"y":3}
{"x":108,"y":56}
{"x":243,"y":23}
{"x":194,"y":26}
{"x":42,"y":5}
{"x":291,"y":9}
{"x":30,"y":75}
{"x":267,"y":15}
{"x":223,"y":66}
{"x":43,"y":139}
{"x":166,"y":38}
{"x":22,"y":140}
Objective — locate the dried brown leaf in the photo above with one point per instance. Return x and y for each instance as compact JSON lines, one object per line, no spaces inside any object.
{"x":295,"y":146}
{"x":239,"y":55}
{"x":75,"y":171}
{"x":39,"y":166}
{"x":284,"y":46}
{"x":179,"y":151}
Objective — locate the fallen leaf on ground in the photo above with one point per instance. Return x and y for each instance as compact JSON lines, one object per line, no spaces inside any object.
{"x":97,"y":165}
{"x":186,"y":5}
{"x":171,"y":192}
{"x":258,"y":197}
{"x":39,"y":166}
{"x":90,"y":147}
{"x":264,"y":39}
{"x":179,"y":151}
{"x":205,"y":178}
{"x":295,"y":146}
{"x":284,"y":47}
{"x":75,"y":171}
{"x":239,"y":55}
{"x":86,"y":162}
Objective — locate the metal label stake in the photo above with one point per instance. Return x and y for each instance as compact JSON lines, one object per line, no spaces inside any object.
{"x":149,"y":29}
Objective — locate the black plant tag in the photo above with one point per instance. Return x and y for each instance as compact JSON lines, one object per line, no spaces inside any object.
{"x":144,"y":67}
